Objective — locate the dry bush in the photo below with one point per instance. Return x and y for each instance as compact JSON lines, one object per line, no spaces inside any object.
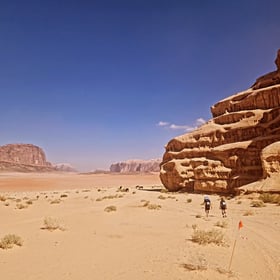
{"x":270,"y":198}
{"x":9,"y":240}
{"x":21,"y":206}
{"x":222,"y":224}
{"x":198,"y":216}
{"x":154,"y":206}
{"x":239,"y":202}
{"x":194,"y":226}
{"x":110,"y":208}
{"x":109,"y":197}
{"x":257,"y":203}
{"x":146,"y":203}
{"x":2,"y":198}
{"x":52,"y":224}
{"x":204,"y":237}
{"x":122,"y":189}
{"x":166,"y":197}
{"x":29,"y":202}
{"x":56,"y":201}
{"x":248,"y":213}
{"x":193,"y":267}
{"x":63,"y":195}
{"x":189,"y":200}
{"x":7,"y":204}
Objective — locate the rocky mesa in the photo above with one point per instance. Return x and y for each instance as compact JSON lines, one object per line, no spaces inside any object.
{"x":136,"y":165}
{"x":238,"y":146}
{"x":23,"y":158}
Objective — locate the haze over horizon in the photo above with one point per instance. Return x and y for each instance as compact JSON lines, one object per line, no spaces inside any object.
{"x":97,"y":82}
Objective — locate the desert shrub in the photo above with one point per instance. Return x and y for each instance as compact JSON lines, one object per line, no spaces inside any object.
{"x":52,"y":224}
{"x":29,"y":202}
{"x":123,"y":189}
{"x":9,"y":240}
{"x":161,"y":197}
{"x":109,"y":197}
{"x":7,"y":204}
{"x":193,"y":267}
{"x":239,"y":202}
{"x":248,"y":213}
{"x":189,"y":200}
{"x":146,"y":203}
{"x":110,"y":208}
{"x":257,"y":203}
{"x":198,"y":216}
{"x":63,"y":195}
{"x":154,"y":206}
{"x":204,"y":237}
{"x":2,"y":198}
{"x":194,"y":226}
{"x":222,"y":224}
{"x":270,"y":198}
{"x":56,"y":201}
{"x":21,"y":206}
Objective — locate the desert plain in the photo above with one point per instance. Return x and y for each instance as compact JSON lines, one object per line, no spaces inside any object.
{"x":127,"y":226}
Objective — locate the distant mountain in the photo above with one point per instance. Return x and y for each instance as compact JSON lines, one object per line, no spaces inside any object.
{"x":64,"y":167}
{"x":136,"y":165}
{"x":23,"y":158}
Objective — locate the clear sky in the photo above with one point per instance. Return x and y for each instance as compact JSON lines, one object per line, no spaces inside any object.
{"x":96,"y":82}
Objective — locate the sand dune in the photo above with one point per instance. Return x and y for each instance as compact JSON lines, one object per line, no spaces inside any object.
{"x":147,"y":235}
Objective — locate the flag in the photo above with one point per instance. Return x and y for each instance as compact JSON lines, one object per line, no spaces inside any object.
{"x":240,"y":225}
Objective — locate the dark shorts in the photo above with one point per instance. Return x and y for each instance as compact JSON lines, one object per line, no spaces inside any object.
{"x":207,"y":207}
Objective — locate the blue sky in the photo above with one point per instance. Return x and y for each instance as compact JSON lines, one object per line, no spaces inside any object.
{"x":95,"y":82}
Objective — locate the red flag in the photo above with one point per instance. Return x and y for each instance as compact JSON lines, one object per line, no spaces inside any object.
{"x":240,"y":225}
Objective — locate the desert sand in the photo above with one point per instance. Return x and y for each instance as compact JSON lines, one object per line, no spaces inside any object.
{"x":146,"y":235}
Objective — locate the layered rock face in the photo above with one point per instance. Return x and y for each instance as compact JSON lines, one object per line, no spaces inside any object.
{"x":233,"y":148}
{"x":23,"y":157}
{"x":136,"y":166}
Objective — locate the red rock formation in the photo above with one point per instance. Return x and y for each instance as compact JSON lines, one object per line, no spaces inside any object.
{"x":23,"y":157}
{"x":225,"y":153}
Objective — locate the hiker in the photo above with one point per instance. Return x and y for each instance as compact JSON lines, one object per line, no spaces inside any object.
{"x":207,"y":205}
{"x":223,"y":206}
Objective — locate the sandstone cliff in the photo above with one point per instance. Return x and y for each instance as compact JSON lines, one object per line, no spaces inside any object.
{"x":136,"y":166}
{"x":238,"y":146}
{"x":23,"y":157}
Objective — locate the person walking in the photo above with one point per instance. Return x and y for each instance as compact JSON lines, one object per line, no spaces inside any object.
{"x":207,"y":205}
{"x":223,"y":207}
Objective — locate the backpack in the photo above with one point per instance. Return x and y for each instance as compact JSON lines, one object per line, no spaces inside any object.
{"x":207,"y":201}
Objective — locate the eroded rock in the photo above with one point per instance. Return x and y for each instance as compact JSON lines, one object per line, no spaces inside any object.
{"x":232,"y":148}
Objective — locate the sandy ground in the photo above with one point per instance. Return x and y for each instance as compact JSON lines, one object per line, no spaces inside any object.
{"x":133,"y":242}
